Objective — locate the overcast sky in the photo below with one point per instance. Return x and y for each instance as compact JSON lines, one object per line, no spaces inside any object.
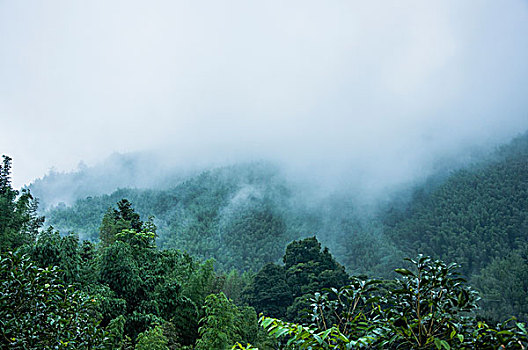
{"x":383,"y":85}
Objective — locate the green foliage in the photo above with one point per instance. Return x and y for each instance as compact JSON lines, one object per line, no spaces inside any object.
{"x":224,"y":324}
{"x":430,"y":305}
{"x":304,"y":337}
{"x":120,"y":271}
{"x":504,"y":285}
{"x":116,"y":338}
{"x":261,"y":225}
{"x":352,"y":309}
{"x":211,"y":215}
{"x":243,"y":217}
{"x":52,"y":249}
{"x":39,"y":311}
{"x":143,"y":239}
{"x":19,"y":222}
{"x":234,"y":283}
{"x":123,"y":219}
{"x":185,"y":322}
{"x":476,"y":215}
{"x":149,"y":286}
{"x":279,"y":291}
{"x":144,"y":280}
{"x":308,"y":268}
{"x":269,"y":293}
{"x":246,"y":323}
{"x":218,"y":325}
{"x":200,"y":283}
{"x":427,"y":307}
{"x":152,"y":339}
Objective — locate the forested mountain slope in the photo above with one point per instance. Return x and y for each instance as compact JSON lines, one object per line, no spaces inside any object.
{"x":478,"y":214}
{"x":234,"y":214}
{"x":124,"y":293}
{"x":129,"y":170}
{"x":478,"y":218}
{"x":245,"y":215}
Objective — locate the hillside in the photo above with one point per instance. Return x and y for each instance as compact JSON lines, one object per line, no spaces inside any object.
{"x":244,"y":215}
{"x":130,"y":170}
{"x":478,"y":218}
{"x":477,"y":214}
{"x":208,"y":215}
{"x":124,"y":290}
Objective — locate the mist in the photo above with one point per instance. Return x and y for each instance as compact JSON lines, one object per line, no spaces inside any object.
{"x":364,"y":95}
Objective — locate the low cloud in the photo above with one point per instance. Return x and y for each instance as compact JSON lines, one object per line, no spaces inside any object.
{"x":364,"y":93}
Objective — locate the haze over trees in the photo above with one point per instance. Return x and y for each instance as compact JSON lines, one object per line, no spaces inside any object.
{"x":475,"y":216}
{"x":264,"y":175}
{"x":141,"y":272}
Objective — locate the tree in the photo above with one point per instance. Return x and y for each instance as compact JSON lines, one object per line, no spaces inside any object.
{"x":120,"y":271}
{"x":224,"y":324}
{"x":50,"y":249}
{"x":308,"y":270}
{"x":504,"y":286}
{"x":152,"y":339}
{"x":428,"y":307}
{"x":39,"y":311}
{"x":217,"y":329}
{"x":269,"y":293}
{"x":117,"y":220}
{"x":280,"y":291}
{"x":19,"y":222}
{"x":430,"y":304}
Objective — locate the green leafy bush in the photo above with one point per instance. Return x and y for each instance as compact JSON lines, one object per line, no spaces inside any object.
{"x":428,"y":307}
{"x":38,"y":311}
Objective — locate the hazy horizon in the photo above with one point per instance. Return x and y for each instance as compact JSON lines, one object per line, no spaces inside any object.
{"x":375,"y":91}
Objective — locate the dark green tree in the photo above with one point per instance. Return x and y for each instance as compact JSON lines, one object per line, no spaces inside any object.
{"x":39,"y":311}
{"x":280,"y":291}
{"x":120,"y":271}
{"x":117,"y":220}
{"x":51,"y":249}
{"x":152,"y":339}
{"x":19,"y":222}
{"x":218,"y":328}
{"x":224,"y":324}
{"x":504,"y":286}
{"x":270,"y":293}
{"x":310,"y":269}
{"x":428,"y":307}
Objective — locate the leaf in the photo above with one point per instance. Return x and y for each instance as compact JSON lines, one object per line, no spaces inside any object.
{"x":282,"y":332}
{"x":404,"y":272}
{"x":521,"y":326}
{"x":445,"y":344}
{"x":453,"y":333}
{"x":325,"y":334}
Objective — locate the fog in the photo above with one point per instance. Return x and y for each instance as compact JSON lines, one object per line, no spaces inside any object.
{"x":366,"y":94}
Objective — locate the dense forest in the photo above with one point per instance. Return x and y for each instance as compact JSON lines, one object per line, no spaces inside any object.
{"x":238,"y":257}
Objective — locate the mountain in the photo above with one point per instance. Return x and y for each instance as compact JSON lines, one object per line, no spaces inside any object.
{"x":477,"y":217}
{"x":244,"y":215}
{"x":477,"y":214}
{"x":130,"y":170}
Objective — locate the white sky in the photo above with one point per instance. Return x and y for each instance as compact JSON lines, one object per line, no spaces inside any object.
{"x":382,"y":85}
